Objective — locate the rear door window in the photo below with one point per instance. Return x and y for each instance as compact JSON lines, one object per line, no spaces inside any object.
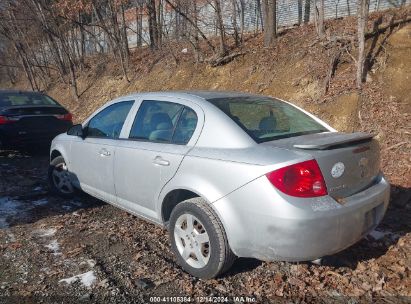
{"x":165,"y":122}
{"x":109,"y":122}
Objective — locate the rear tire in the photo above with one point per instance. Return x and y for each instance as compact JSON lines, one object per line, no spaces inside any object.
{"x":198,"y":239}
{"x":60,"y":179}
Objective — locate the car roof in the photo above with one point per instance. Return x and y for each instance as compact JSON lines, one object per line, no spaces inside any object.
{"x":198,"y":95}
{"x":216,"y":94}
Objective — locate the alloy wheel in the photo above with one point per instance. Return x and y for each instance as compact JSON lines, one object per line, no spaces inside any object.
{"x":61,"y":179}
{"x":192,"y":240}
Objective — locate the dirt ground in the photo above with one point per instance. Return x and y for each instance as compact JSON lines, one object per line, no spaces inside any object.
{"x":55,"y":250}
{"x":46,"y":239}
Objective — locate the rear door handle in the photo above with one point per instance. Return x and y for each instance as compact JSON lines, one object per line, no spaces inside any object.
{"x":158,"y":160}
{"x":104,"y":152}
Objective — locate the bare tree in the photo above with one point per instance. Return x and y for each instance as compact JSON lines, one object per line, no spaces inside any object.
{"x":319,"y":17}
{"x":234,"y":23}
{"x":152,"y":23}
{"x":220,"y":27}
{"x":139,"y":5}
{"x":192,"y":22}
{"x":362,"y":16}
{"x":242,"y":19}
{"x":269,"y":8}
{"x":307,"y":9}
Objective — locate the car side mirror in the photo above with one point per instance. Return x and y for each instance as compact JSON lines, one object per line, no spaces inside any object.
{"x":76,"y":130}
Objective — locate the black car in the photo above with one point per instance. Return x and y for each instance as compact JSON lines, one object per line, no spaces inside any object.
{"x":28,"y":118}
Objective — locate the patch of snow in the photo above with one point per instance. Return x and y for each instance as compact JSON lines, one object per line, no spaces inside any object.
{"x":3,"y":223}
{"x":87,"y":279}
{"x":9,"y":208}
{"x":54,"y":246}
{"x":40,"y":202}
{"x":75,"y":203}
{"x":45,"y":232}
{"x":91,"y":263}
{"x":38,"y":188}
{"x":379,"y":234}
{"x":11,"y":237}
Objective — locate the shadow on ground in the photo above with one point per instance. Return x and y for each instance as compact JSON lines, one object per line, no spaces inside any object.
{"x":25,"y":196}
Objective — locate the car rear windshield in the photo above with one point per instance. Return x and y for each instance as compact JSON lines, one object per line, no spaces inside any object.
{"x":266,"y":119}
{"x":25,"y":99}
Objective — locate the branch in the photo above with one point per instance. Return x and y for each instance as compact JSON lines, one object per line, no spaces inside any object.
{"x":386,"y":26}
{"x":225,"y":59}
{"x":191,"y":22}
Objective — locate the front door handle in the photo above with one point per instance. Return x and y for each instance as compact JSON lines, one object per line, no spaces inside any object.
{"x":158,"y":160}
{"x":104,"y":152}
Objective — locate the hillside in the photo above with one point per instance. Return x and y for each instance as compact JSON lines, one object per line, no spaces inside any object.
{"x":294,"y":70}
{"x":54,"y":248}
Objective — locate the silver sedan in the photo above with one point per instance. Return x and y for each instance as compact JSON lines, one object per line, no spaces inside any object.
{"x":228,"y":174}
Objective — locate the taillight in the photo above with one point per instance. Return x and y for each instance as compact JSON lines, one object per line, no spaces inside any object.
{"x":6,"y":120}
{"x":302,"y":179}
{"x":66,"y":117}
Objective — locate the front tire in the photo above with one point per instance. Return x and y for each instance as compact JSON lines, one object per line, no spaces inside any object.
{"x":59,"y":178}
{"x":198,"y":239}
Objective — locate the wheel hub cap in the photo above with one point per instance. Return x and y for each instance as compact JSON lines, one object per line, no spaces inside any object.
{"x":61,"y":179}
{"x":192,"y":240}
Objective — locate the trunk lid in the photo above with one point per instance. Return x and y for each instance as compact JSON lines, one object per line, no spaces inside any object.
{"x":349,"y":163}
{"x":34,"y":117}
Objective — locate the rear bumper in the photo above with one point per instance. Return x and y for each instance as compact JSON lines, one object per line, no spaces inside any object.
{"x":12,"y":136}
{"x":262,"y":223}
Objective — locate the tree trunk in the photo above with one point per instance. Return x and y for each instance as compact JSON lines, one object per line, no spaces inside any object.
{"x":220,"y":27}
{"x":196,"y":43}
{"x":152,"y":23}
{"x":124,"y":32}
{"x":139,"y":25}
{"x":320,"y":27}
{"x":270,"y":21}
{"x":159,"y":15}
{"x":307,"y":10}
{"x":106,"y":29}
{"x":11,"y":74}
{"x":242,"y":20}
{"x":26,"y":67}
{"x":259,"y":14}
{"x":73,"y":81}
{"x":82,"y":50}
{"x":362,"y":16}
{"x":234,"y":20}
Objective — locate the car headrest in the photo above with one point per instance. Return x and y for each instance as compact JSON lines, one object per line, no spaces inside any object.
{"x":268,"y":123}
{"x":160,"y":120}
{"x":161,"y":135}
{"x":164,"y":126}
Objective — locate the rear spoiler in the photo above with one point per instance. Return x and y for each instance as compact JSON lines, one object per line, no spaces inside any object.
{"x":334,"y":139}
